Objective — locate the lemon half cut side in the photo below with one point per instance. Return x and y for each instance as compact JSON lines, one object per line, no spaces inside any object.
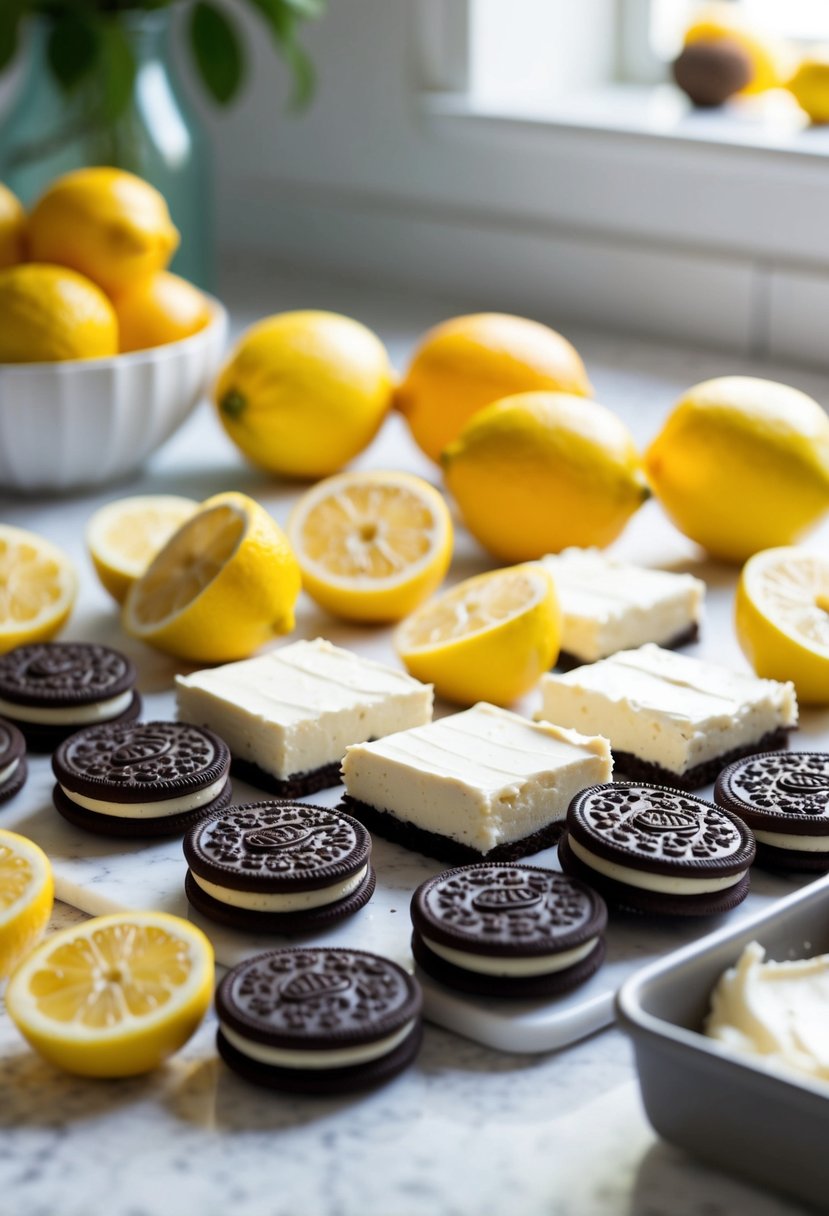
{"x":26,"y":897}
{"x":38,"y":586}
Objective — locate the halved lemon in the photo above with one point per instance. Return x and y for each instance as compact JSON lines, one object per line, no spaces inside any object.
{"x":115,"y":995}
{"x":371,"y":546}
{"x":26,"y":897}
{"x":782,"y":619}
{"x":124,"y":536}
{"x":487,"y":639}
{"x":224,"y":584}
{"x":38,"y":586}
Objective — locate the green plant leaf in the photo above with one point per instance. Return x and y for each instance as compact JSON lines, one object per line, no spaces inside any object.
{"x":308,"y":10}
{"x":11,"y":12}
{"x":72,"y":48}
{"x":283,"y":17}
{"x":117,"y":67}
{"x":217,"y":51}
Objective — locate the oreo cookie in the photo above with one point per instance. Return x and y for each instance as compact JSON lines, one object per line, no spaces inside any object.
{"x":13,"y":770}
{"x":784,"y":799}
{"x":651,"y":849}
{"x":318,"y":1021}
{"x":51,"y":689}
{"x":141,"y":778}
{"x":278,"y":867}
{"x":508,"y":930}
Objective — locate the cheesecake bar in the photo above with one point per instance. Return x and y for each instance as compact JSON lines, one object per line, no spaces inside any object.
{"x":608,"y":606}
{"x":670,"y":718}
{"x":482,"y":784}
{"x":288,"y":715}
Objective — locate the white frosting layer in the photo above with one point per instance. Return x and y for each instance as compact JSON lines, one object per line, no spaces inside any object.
{"x":785,"y":840}
{"x":340,"y":1057}
{"x":297,"y":708}
{"x":667,"y":708}
{"x":82,"y":715}
{"x":608,"y":606}
{"x":543,"y":964}
{"x":484,"y":777}
{"x":8,"y":771}
{"x":651,"y":882}
{"x":149,"y":810}
{"x":298,"y":901}
{"x":775,"y":1011}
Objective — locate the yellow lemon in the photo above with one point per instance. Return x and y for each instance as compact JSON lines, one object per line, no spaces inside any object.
{"x":113,"y":996}
{"x":224,"y":584}
{"x":487,"y":639}
{"x":537,"y":472}
{"x":38,"y":586}
{"x":810,"y":86}
{"x":159,"y":309}
{"x":105,"y":223}
{"x":467,"y":362}
{"x":50,"y":313}
{"x":371,"y":546}
{"x":26,"y":897}
{"x":12,"y":228}
{"x":124,"y":536}
{"x":724,"y":21}
{"x":741,"y":465}
{"x":304,"y":392}
{"x":782,"y":619}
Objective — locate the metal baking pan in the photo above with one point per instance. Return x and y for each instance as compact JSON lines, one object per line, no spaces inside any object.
{"x":721,"y":1107}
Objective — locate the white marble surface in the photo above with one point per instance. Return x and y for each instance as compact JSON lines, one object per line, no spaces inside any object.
{"x":467,"y":1130}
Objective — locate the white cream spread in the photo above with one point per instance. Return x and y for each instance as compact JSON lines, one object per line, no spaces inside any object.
{"x":775,"y":1011}
{"x":787,"y":840}
{"x":8,"y":771}
{"x":667,"y":708}
{"x":297,"y":901}
{"x":82,"y":715}
{"x":608,"y":606}
{"x":651,"y":882}
{"x":149,"y":810}
{"x":339,"y":1057}
{"x":515,"y":968}
{"x":484,"y":777}
{"x":297,"y":708}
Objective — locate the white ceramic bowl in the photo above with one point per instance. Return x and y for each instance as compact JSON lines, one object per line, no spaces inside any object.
{"x":89,"y":421}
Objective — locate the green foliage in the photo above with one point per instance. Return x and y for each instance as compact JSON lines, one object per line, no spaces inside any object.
{"x":87,"y":40}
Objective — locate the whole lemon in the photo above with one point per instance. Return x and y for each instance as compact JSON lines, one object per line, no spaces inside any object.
{"x":304,"y":392}
{"x":810,"y":86}
{"x":50,"y":313}
{"x":159,"y":309}
{"x":12,"y":228}
{"x":468,"y":362}
{"x":110,"y":225}
{"x":724,"y":21}
{"x":537,"y":472}
{"x":742,"y":464}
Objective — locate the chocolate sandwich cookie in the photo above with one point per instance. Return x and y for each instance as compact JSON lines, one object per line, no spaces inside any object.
{"x":657,"y":850}
{"x":274,"y":867}
{"x":318,"y":1021}
{"x":51,"y":689}
{"x":784,"y":799}
{"x":13,"y":769}
{"x":141,"y":778}
{"x":508,"y":930}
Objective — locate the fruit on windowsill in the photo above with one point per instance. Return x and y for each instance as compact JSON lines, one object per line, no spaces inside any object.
{"x":725,"y":22}
{"x":50,"y":313}
{"x":810,"y":86}
{"x":711,"y":72}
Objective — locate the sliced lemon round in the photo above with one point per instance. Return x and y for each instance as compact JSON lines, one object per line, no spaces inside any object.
{"x":26,"y":897}
{"x":224,"y":584}
{"x":124,"y":536}
{"x":115,"y":995}
{"x":371,"y":546}
{"x":38,"y":586}
{"x":782,"y":619}
{"x":487,"y":639}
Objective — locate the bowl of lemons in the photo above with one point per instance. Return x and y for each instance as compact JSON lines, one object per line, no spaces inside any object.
{"x":103,"y":352}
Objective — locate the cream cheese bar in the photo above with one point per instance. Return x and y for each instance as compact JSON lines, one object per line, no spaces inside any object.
{"x":608,"y":606}
{"x":671,"y":718}
{"x":484,"y":783}
{"x":288,"y":715}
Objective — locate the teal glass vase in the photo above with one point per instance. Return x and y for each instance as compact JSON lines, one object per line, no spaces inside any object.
{"x":49,"y":130}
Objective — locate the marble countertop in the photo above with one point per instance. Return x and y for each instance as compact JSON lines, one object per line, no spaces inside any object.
{"x":467,"y":1131}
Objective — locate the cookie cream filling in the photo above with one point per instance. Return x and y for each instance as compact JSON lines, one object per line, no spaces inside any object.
{"x":664,"y":883}
{"x":83,"y":715}
{"x":296,"y":901}
{"x":667,"y":708}
{"x":785,"y":840}
{"x":9,"y":771}
{"x":336,"y":1057}
{"x":149,"y":810}
{"x":515,"y":968}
